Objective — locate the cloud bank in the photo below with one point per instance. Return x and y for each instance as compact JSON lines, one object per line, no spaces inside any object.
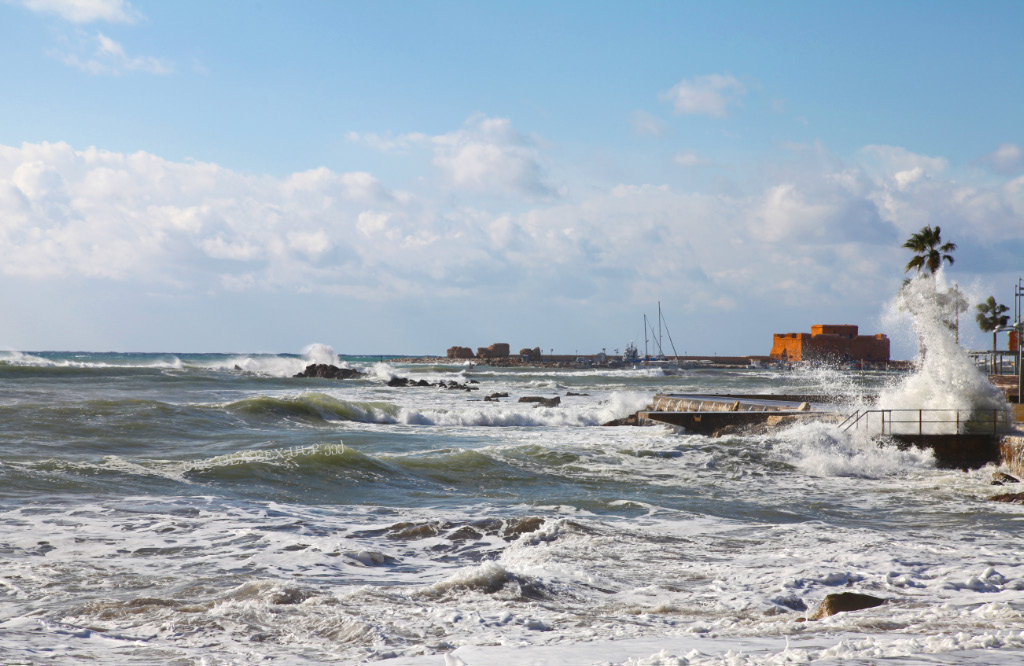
{"x":823,"y":229}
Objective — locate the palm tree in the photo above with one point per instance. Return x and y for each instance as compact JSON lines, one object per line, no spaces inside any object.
{"x":990,"y":318}
{"x":929,"y":249}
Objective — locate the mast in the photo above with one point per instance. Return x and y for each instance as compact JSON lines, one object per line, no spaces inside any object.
{"x":661,"y":350}
{"x":645,"y":336}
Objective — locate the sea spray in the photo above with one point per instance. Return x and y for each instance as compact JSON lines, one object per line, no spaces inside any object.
{"x":273,"y":365}
{"x":945,"y":378}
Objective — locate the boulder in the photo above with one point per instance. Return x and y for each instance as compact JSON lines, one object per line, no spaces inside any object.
{"x":844,"y":602}
{"x":630,"y":420}
{"x":326,"y":371}
{"x":1013,"y":498}
{"x":1001,"y":478}
{"x":398,"y":381}
{"x":542,"y":402}
{"x":460,"y":352}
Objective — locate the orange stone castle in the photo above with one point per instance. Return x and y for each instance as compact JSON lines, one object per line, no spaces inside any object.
{"x":831,"y":342}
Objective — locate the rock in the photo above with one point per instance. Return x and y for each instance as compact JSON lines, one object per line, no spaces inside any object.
{"x":326,"y":371}
{"x":1000,"y":478}
{"x":630,"y":420}
{"x":570,"y":393}
{"x":460,"y":352}
{"x":844,"y":602}
{"x":542,"y":402}
{"x":398,"y":381}
{"x":495,"y":396}
{"x":1013,"y":498}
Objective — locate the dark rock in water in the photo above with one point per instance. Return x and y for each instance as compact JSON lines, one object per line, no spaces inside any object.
{"x":630,"y":420}
{"x":423,"y":382}
{"x":494,"y":396}
{"x":326,"y":371}
{"x":518,"y":527}
{"x":465,"y":533}
{"x":398,"y":381}
{"x":845,"y":602}
{"x":570,"y":393}
{"x":1013,"y":498}
{"x":289,"y":596}
{"x":542,"y":402}
{"x":1000,"y":478}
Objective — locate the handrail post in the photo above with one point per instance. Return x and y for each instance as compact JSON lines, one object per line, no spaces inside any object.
{"x":920,"y":422}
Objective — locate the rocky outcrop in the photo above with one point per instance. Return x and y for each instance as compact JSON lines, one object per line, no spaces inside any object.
{"x":542,"y":402}
{"x":497,"y":350}
{"x":460,"y":352}
{"x":630,"y":420}
{"x":1002,"y":478}
{"x":494,"y":397}
{"x":844,"y":602}
{"x":1011,"y":498}
{"x":326,"y":371}
{"x":403,"y":382}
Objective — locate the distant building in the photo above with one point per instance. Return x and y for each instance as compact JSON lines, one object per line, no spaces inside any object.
{"x":835,"y":342}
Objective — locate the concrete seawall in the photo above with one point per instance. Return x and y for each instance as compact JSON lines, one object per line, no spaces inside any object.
{"x":717,"y":414}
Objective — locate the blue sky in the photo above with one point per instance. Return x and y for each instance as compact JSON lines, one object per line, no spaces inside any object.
{"x":400,"y":177}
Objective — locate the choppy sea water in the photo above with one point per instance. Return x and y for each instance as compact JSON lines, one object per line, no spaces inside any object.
{"x":211,"y":509}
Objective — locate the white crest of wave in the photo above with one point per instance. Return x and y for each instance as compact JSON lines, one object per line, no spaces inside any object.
{"x":13,"y":357}
{"x":320,"y":354}
{"x":946,"y":378}
{"x":616,"y":406}
{"x":284,"y":366}
{"x":382,"y":372}
{"x":820,"y":449}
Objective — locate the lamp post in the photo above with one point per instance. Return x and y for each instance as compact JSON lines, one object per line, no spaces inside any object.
{"x":1018,"y":327}
{"x":1018,"y":293}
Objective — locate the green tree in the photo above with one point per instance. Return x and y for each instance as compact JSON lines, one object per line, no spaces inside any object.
{"x":929,"y":250}
{"x":990,"y":318}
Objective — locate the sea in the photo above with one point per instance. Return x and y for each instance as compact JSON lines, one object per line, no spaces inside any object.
{"x":209,"y":509}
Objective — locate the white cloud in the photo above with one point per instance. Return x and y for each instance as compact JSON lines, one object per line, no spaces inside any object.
{"x":647,"y":124}
{"x":85,"y":11}
{"x":709,"y":95}
{"x":689,"y":159}
{"x":818,"y":229}
{"x":109,"y":58}
{"x":1007,"y":158}
{"x":486,"y":155}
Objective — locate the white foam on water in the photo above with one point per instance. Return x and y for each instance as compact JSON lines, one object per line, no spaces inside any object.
{"x":946,"y":379}
{"x":272,"y":365}
{"x":822,"y":449}
{"x":162,"y":361}
{"x":617,"y":405}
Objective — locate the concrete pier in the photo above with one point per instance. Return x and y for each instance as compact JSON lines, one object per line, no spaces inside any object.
{"x":715,"y":415}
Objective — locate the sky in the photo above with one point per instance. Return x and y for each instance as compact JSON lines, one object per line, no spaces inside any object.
{"x":402,"y":177}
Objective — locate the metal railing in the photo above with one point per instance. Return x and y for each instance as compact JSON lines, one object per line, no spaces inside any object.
{"x":931,"y":421}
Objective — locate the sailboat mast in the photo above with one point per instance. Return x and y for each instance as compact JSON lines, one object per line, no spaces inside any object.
{"x":661,"y":350}
{"x":645,"y":336}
